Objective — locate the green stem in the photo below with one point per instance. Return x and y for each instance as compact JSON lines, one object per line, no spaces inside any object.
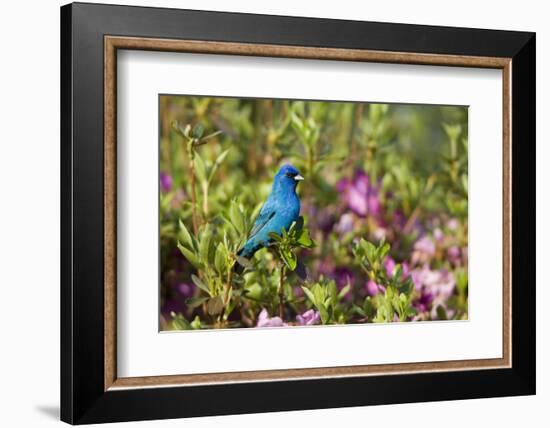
{"x":226,"y":293}
{"x":193,"y":194}
{"x":282,"y":293}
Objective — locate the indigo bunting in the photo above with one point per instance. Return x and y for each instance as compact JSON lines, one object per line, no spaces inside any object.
{"x":279,"y":211}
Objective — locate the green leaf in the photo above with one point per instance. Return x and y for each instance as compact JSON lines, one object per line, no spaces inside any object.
{"x":359,"y":310}
{"x":216,"y":165}
{"x":383,"y":251}
{"x":198,"y":131}
{"x":230,"y":305}
{"x":297,"y":123}
{"x":179,"y":323}
{"x":275,"y":236}
{"x":305,"y":240}
{"x":194,"y":302}
{"x":411,"y":312}
{"x":196,"y":323}
{"x":254,"y":292}
{"x":319,"y":293}
{"x":461,"y":280}
{"x":299,"y":224}
{"x":200,"y":167}
{"x":309,"y":294}
{"x":290,"y":259}
{"x":190,"y":256}
{"x":452,"y":131}
{"x":358,"y":250}
{"x":220,"y":258}
{"x":406,"y":287}
{"x":369,"y":249}
{"x":215,"y":305}
{"x":323,"y":312}
{"x":244,"y":262}
{"x":344,"y":291}
{"x":236,"y":217}
{"x":368,"y":307}
{"x":464,"y":179}
{"x":204,"y":246}
{"x":397,"y":272}
{"x":441,"y":313}
{"x":291,"y":228}
{"x":186,"y":236}
{"x":212,"y":135}
{"x":198,"y":282}
{"x":221,"y":157}
{"x":182,"y":131}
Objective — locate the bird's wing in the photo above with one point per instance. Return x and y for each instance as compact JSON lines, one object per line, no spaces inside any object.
{"x":266,"y":213}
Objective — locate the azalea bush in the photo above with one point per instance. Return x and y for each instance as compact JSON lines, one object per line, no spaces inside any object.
{"x":383,"y":232}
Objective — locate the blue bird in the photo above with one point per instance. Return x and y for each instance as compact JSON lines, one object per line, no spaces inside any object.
{"x":281,"y":208}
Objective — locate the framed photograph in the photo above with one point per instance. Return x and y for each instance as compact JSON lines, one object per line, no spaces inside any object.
{"x":291,"y":213}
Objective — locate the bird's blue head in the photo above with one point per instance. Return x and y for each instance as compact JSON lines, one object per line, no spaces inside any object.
{"x":287,"y":178}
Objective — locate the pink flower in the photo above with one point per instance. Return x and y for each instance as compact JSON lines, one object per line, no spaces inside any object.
{"x":455,"y":254}
{"x":185,"y":289}
{"x":452,"y":224}
{"x":380,"y":233}
{"x":389,"y":264}
{"x":343,"y":276}
{"x":310,"y":317}
{"x":298,"y":292}
{"x":373,"y":288}
{"x":165,"y":182}
{"x":438,"y":235}
{"x":425,"y":245}
{"x":360,"y":196}
{"x":423,"y":303}
{"x":345,"y":224}
{"x":423,"y":250}
{"x":435,"y":286}
{"x":265,"y":321}
{"x":177,"y":200}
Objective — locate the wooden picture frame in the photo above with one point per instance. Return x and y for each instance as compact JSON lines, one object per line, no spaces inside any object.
{"x":91,"y":390}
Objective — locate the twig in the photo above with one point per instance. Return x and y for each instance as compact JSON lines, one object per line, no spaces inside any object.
{"x":411,"y":220}
{"x":193,"y":195}
{"x":244,"y":318}
{"x":229,"y":281}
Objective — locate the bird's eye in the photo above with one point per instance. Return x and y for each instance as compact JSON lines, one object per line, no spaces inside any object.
{"x":289,"y":174}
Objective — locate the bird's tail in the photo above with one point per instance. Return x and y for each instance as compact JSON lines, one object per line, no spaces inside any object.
{"x":237,"y":267}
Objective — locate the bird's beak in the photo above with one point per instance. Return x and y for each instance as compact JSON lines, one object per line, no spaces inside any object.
{"x":298,"y":177}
